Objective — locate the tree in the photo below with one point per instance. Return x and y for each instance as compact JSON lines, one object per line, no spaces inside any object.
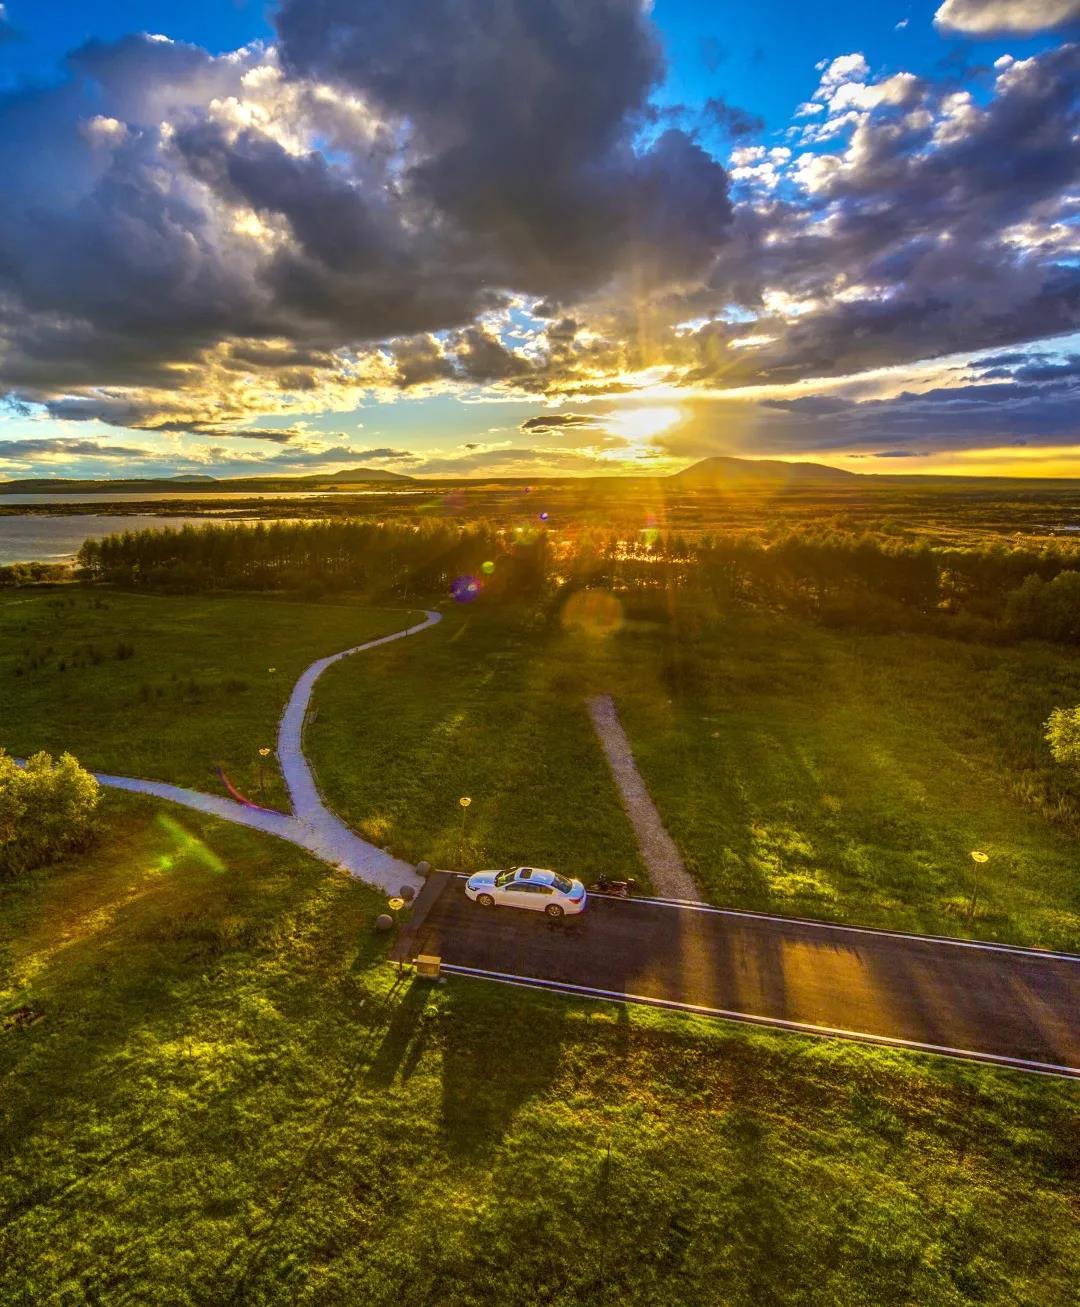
{"x":1063,"y":735}
{"x":46,"y":810}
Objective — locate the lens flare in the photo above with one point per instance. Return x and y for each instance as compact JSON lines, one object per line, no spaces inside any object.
{"x":487,"y":568}
{"x":185,"y":847}
{"x":466,"y":588}
{"x":592,"y":612}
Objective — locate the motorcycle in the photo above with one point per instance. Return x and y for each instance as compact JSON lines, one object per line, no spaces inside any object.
{"x":619,"y":889}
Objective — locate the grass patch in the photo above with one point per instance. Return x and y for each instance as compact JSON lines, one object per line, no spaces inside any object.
{"x":164,"y":687}
{"x":491,"y":708}
{"x":849,"y":776}
{"x":224,"y":1098}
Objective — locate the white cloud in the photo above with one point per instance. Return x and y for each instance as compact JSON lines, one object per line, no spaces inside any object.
{"x":844,"y":68}
{"x":979,"y":17}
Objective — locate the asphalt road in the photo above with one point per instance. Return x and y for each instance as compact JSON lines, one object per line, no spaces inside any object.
{"x":994,"y":1003}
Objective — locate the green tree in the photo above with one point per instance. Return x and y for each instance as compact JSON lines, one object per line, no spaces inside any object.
{"x":46,"y":810}
{"x":1063,"y":735}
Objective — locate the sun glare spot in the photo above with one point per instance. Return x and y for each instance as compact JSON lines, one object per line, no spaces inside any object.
{"x":641,"y":424}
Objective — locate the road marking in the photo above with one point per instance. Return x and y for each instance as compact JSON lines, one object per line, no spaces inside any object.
{"x":689,"y":905}
{"x":799,"y":1027}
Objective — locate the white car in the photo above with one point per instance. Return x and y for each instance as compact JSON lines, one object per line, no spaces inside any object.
{"x":528,"y":887}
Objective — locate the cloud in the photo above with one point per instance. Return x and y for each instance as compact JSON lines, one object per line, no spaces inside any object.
{"x":560,"y":421}
{"x":730,"y":119}
{"x":484,"y":200}
{"x":50,"y":449}
{"x":277,"y":435}
{"x":990,"y":17}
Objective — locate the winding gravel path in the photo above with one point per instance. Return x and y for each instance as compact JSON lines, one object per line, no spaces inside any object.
{"x":311,"y":824}
{"x":666,"y":870}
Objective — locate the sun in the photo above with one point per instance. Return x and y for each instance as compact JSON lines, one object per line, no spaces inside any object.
{"x":639,"y":425}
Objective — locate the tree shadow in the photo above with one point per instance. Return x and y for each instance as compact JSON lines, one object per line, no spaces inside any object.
{"x":491,"y":1070}
{"x":405,"y":1039}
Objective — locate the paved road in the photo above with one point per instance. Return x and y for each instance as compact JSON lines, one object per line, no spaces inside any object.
{"x":993,"y":1002}
{"x":311,"y":825}
{"x":325,"y":834}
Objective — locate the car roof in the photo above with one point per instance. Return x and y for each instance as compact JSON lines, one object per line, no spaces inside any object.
{"x":536,"y":874}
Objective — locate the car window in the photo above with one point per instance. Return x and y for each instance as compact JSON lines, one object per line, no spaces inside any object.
{"x":504,"y":876}
{"x":524,"y":873}
{"x":538,"y":889}
{"x":517,"y":888}
{"x":562,"y":884}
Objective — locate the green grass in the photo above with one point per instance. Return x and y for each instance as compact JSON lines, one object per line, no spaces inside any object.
{"x":487,"y":706}
{"x":800,"y":770}
{"x":226,"y":1100}
{"x":833,"y":774}
{"x":196,"y":690}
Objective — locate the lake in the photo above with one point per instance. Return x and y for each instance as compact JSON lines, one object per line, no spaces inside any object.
{"x":164,"y":496}
{"x":55,"y":539}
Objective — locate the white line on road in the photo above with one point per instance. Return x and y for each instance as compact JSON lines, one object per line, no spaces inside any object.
{"x":690,"y":905}
{"x":799,"y":1027}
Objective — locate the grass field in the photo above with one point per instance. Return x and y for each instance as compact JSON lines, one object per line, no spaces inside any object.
{"x":224,"y":1099}
{"x":489,"y":709}
{"x":164,"y":687}
{"x":833,"y":774}
{"x":801,"y":770}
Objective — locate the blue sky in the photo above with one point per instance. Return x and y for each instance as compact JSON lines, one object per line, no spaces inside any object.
{"x":844,"y":231}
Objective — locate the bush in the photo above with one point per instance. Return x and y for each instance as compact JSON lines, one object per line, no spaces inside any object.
{"x":46,"y":810}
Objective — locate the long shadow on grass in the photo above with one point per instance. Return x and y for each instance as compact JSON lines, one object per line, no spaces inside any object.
{"x":141,"y":976}
{"x":498,"y":1054}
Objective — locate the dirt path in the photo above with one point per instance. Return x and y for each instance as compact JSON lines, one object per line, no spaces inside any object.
{"x":665,"y":865}
{"x":311,"y":824}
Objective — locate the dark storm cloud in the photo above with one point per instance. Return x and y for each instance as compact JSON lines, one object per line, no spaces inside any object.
{"x":524,"y":117}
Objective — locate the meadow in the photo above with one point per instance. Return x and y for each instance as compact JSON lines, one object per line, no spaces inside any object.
{"x":216,"y":1090}
{"x":165,"y":688}
{"x":801,"y":770}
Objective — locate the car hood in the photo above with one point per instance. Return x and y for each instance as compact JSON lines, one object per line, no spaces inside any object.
{"x":482,"y":879}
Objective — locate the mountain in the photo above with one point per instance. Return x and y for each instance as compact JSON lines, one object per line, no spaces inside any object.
{"x":360,"y":474}
{"x":724,"y":472}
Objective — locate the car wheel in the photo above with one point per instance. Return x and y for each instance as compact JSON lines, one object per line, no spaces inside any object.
{"x":554,"y":911}
{"x":485,"y":900}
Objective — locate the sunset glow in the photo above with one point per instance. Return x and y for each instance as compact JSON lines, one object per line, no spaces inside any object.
{"x":259,"y":241}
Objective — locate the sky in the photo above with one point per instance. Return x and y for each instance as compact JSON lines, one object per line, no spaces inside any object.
{"x":538,"y":237}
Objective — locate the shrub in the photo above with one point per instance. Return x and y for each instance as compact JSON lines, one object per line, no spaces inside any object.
{"x":46,"y":810}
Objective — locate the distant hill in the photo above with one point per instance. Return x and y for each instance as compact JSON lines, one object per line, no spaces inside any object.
{"x":724,"y":471}
{"x":361,"y":474}
{"x":199,"y":482}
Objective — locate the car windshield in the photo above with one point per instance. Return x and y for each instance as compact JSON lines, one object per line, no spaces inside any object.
{"x":504,"y":877}
{"x":563,"y":885}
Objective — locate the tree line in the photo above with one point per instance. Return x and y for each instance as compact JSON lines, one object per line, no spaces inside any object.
{"x":994,"y":591}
